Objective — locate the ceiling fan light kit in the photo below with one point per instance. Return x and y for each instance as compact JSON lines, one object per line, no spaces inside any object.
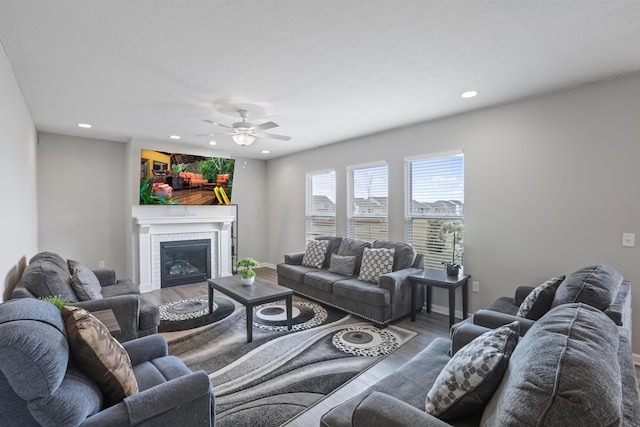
{"x":244,"y":133}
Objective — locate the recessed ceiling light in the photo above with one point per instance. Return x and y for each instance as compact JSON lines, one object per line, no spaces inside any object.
{"x":469,"y":94}
{"x":212,"y":142}
{"x":174,"y":136}
{"x":84,"y":125}
{"x":265,"y":151}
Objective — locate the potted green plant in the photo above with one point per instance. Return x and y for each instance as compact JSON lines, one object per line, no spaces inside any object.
{"x":246,"y":273}
{"x":56,"y":300}
{"x":456,"y":230}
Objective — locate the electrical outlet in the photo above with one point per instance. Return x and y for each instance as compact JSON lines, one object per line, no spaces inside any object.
{"x":629,"y":240}
{"x":475,"y":286}
{"x":101,"y":264}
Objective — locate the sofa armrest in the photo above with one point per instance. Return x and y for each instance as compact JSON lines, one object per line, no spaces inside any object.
{"x":294,"y":258}
{"x":521,"y":293}
{"x":463,"y":334}
{"x":126,"y":309}
{"x":146,"y":348}
{"x":397,"y":283}
{"x":620,"y":309}
{"x":494,"y":319}
{"x":382,"y":410}
{"x":105,"y":276}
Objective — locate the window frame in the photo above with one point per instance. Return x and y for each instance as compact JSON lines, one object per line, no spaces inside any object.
{"x":311,"y":215}
{"x":352,"y":231}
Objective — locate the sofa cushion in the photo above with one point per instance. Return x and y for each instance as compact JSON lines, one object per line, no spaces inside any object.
{"x":332,"y":248}
{"x":564,"y":371}
{"x":294,"y":272}
{"x":84,"y":282}
{"x":538,"y":302}
{"x":473,"y":373}
{"x":46,"y":275}
{"x":365,"y":292}
{"x":596,"y":285}
{"x":404,"y":255}
{"x":315,"y":253}
{"x":344,"y":265}
{"x":322,"y":280}
{"x":99,"y":355}
{"x":353,"y":247}
{"x":375,"y":263}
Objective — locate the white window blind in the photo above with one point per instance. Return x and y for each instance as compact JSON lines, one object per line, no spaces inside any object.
{"x":368,"y":202}
{"x":321,"y":204}
{"x":435,"y":196}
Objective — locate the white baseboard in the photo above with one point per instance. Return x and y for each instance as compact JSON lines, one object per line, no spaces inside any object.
{"x":636,"y":359}
{"x":443,"y":310}
{"x":266,"y":264}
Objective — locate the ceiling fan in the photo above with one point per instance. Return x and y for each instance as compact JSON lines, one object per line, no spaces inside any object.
{"x":245,"y":133}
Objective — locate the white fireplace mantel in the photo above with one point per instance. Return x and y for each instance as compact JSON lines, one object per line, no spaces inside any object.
{"x":151,"y":230}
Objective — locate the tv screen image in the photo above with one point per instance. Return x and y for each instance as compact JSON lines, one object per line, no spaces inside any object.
{"x":185,"y":179}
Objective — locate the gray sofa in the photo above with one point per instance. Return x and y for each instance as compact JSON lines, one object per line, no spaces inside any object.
{"x":41,"y":383}
{"x":49,"y":274}
{"x":381,"y":302}
{"x":574,"y":366}
{"x":600,"y":286}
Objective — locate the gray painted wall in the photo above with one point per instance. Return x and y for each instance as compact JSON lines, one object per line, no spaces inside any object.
{"x":551,"y":183}
{"x":81,"y":209}
{"x":18,"y":212}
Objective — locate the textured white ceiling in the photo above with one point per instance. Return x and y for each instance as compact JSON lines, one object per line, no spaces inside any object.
{"x":326,"y":71}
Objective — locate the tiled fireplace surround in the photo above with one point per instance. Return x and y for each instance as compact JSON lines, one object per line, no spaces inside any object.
{"x":153,"y":230}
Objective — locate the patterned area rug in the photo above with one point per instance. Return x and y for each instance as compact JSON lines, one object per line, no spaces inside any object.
{"x":192,"y":313}
{"x":282,"y":373}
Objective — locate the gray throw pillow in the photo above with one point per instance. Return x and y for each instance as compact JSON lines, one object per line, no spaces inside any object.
{"x":84,"y":282}
{"x":375,"y":263}
{"x":314,"y":255}
{"x":539,"y":300}
{"x":471,"y":376}
{"x":344,"y":265}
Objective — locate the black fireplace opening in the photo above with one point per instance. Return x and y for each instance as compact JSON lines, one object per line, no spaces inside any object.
{"x":184,"y":261}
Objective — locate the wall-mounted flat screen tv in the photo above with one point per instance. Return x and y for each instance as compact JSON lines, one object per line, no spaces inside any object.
{"x":185,"y":179}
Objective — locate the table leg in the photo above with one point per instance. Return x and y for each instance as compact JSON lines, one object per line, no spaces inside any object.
{"x":465,"y":299}
{"x":452,"y":306}
{"x":289,"y":312}
{"x":249,"y":323}
{"x":414,"y":297}
{"x":429,"y":294}
{"x":210,"y":298}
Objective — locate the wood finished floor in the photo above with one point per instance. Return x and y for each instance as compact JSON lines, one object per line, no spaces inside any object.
{"x":428,"y":327}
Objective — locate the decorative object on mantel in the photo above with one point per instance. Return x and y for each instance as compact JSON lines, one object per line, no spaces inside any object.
{"x":456,"y":230}
{"x":247,"y":274}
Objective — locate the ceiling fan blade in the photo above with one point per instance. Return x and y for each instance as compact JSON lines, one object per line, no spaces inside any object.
{"x":264,"y":126}
{"x":272,"y":136}
{"x":221,"y":125}
{"x":208,"y":121}
{"x":213,"y":134}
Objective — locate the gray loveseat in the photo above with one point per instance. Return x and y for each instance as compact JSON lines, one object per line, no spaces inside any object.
{"x":574,"y":366}
{"x":381,"y":302}
{"x":49,"y":274}
{"x":41,"y":383}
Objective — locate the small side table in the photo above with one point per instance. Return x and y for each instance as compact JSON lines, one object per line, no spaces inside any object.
{"x":439,"y":279}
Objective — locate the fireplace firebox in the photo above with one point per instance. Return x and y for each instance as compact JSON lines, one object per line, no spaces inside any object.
{"x":184,"y":261}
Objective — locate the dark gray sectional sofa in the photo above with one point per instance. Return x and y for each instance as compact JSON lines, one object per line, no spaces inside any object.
{"x":573,"y":365}
{"x":381,"y":302}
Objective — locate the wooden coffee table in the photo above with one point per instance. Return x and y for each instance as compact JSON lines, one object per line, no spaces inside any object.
{"x":259,"y":293}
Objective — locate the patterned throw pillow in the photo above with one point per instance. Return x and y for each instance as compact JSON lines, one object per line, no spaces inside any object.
{"x":344,"y":265}
{"x":469,"y":379}
{"x":375,"y":263}
{"x":539,"y":300}
{"x":99,"y":355}
{"x":315,"y":253}
{"x":84,"y":282}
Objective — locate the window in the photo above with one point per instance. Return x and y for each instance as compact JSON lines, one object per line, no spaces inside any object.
{"x":435,"y":196}
{"x":368,"y":202}
{"x":321,"y":204}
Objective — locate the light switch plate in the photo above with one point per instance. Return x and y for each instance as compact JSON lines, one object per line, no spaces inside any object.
{"x":629,"y":240}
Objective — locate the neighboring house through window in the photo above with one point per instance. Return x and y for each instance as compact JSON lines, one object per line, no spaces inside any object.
{"x":435,"y":196}
{"x":368,"y":202}
{"x":321,"y":204}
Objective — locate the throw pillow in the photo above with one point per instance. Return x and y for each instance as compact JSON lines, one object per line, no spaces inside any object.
{"x":471,"y":376}
{"x":84,"y":282}
{"x":375,"y":263}
{"x":344,"y":265}
{"x":314,"y":255}
{"x":539,"y":300}
{"x":99,"y":355}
